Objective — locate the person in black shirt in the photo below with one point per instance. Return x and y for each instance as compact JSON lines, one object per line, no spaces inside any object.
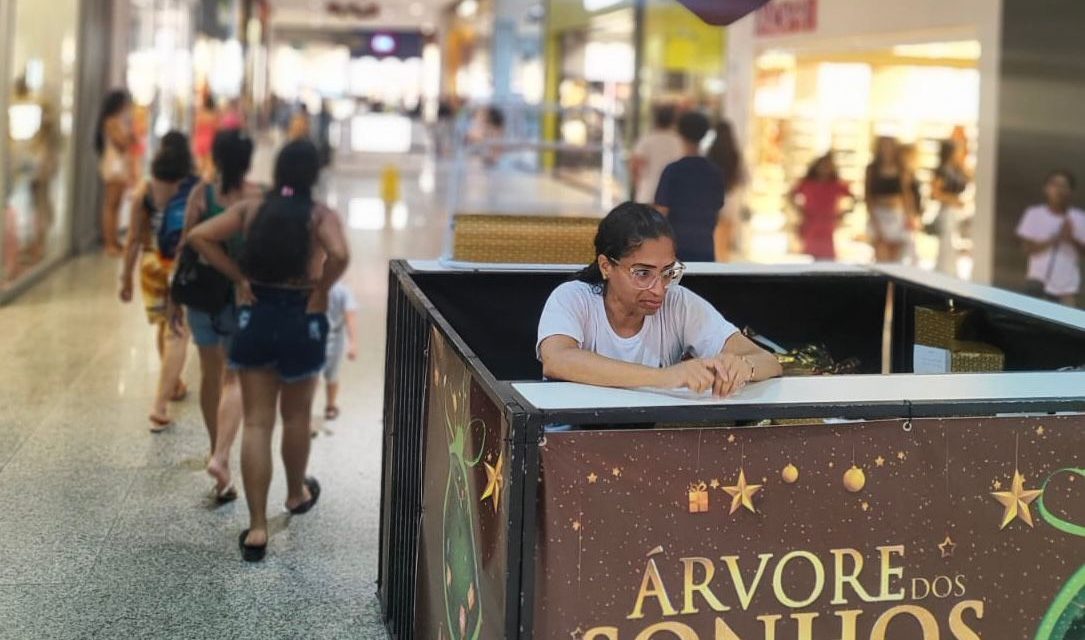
{"x":691,"y":194}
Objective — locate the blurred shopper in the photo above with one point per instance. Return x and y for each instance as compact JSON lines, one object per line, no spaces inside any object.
{"x":294,"y":251}
{"x":819,"y":197}
{"x":653,"y":152}
{"x":691,"y":193}
{"x":950,"y":182}
{"x":232,"y":117}
{"x":300,"y":127}
{"x":725,"y":153}
{"x":220,"y":391}
{"x":1053,"y":234}
{"x":324,"y":133}
{"x":157,"y":207}
{"x":203,"y":135}
{"x":111,"y":141}
{"x":888,"y":191}
{"x":342,"y":340}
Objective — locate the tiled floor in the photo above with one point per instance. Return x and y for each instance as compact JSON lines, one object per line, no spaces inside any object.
{"x":107,"y":531}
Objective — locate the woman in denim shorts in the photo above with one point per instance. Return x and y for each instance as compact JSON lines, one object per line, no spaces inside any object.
{"x":294,"y":251}
{"x":220,"y":391}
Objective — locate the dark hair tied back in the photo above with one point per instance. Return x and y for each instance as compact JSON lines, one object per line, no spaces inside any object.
{"x":624,"y":229}
{"x":277,"y":245}
{"x":232,"y":154}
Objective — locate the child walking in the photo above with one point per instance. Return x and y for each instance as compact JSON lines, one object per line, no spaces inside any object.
{"x":342,"y":339}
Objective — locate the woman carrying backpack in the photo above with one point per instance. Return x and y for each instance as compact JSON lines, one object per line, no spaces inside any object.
{"x":157,"y":220}
{"x":213,"y":328}
{"x":294,"y":251}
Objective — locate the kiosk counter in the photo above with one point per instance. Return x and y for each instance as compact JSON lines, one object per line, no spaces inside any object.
{"x":870,"y":504}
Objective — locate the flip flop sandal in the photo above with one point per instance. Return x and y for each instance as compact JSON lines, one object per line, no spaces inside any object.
{"x":314,"y":495}
{"x":331,"y":413}
{"x":251,"y":552}
{"x":227,"y":496}
{"x":158,"y":424}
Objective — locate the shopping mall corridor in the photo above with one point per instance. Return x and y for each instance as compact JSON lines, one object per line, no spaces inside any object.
{"x":109,"y":531}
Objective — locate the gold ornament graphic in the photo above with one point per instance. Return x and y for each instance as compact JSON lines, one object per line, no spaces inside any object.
{"x":494,"y":480}
{"x":698,"y":498}
{"x":790,"y":474}
{"x":854,"y":479}
{"x":742,"y":493}
{"x":1016,"y":501}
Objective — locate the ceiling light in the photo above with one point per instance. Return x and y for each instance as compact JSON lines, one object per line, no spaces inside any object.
{"x":467,"y":8}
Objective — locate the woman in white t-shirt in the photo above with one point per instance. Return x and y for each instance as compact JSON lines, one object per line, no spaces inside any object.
{"x":625,"y":321}
{"x":1054,"y":234}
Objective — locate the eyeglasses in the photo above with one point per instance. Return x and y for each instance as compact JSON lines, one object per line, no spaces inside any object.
{"x":645,"y":278}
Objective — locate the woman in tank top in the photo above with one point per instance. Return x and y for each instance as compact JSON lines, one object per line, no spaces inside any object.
{"x":294,"y":251}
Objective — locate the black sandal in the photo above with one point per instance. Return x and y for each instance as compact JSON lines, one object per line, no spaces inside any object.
{"x":251,"y":552}
{"x":226,"y":496}
{"x":314,"y":495}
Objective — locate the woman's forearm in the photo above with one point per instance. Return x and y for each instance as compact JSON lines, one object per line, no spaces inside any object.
{"x":765,"y":366}
{"x":216,"y":256}
{"x":578,"y":365}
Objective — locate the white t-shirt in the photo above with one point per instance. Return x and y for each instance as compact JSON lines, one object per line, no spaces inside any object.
{"x":340,"y":301}
{"x":686,"y":323}
{"x":1041,"y":224}
{"x":659,"y":149}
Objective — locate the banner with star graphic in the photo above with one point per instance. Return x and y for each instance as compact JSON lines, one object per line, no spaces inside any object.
{"x":936,"y":529}
{"x":462,"y":558}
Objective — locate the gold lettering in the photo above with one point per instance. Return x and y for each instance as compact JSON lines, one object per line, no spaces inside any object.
{"x":957,"y":626}
{"x":770,"y":625}
{"x":607,"y":633}
{"x":889,"y":572}
{"x":942,"y":593}
{"x":960,"y":591}
{"x":927,"y":623}
{"x":679,"y":630}
{"x":849,"y":620}
{"x":806,"y":625}
{"x":851,"y":579}
{"x":725,"y":632}
{"x":652,"y":586}
{"x":778,"y":580}
{"x":745,"y":594}
{"x":915,"y":588}
{"x":690,"y":586}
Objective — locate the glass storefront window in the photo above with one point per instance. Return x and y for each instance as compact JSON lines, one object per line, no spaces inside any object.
{"x":38,"y":102}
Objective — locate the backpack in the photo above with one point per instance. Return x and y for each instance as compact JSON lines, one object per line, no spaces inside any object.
{"x":173,"y":219}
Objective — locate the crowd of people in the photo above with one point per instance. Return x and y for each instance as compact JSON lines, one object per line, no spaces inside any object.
{"x":251,"y":276}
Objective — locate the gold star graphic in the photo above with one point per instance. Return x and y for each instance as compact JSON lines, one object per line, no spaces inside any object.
{"x":947,"y":547}
{"x":576,"y":525}
{"x":616,"y":472}
{"x":866,"y":506}
{"x":879,"y":461}
{"x":731,"y":438}
{"x":576,"y":634}
{"x":494,"y":480}
{"x":1016,"y":501}
{"x":742,"y":493}
{"x":901,"y":455}
{"x":592,"y":478}
{"x":715,"y":484}
{"x":1040,"y":430}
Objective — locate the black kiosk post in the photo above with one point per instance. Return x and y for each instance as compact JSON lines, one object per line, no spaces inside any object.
{"x":875,"y":505}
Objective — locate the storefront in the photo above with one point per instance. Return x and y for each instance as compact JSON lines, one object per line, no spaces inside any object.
{"x":812,"y":76}
{"x":38,"y":46}
{"x":864,"y":502}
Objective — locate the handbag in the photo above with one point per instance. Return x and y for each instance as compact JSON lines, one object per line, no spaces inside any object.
{"x":200,"y":286}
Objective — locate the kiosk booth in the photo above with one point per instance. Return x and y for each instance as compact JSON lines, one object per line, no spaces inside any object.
{"x":874,"y":504}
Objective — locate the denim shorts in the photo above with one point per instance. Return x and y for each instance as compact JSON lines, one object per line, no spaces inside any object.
{"x":277,"y":333}
{"x":208,"y":331}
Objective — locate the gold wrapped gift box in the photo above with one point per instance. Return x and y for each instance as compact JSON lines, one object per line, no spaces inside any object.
{"x":975,"y":357}
{"x":938,"y":327}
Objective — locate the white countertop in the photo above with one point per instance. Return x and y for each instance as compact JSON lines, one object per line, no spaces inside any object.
{"x":844,"y":390}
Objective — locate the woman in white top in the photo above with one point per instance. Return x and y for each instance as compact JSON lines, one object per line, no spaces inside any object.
{"x":1054,"y":234}
{"x":625,"y":321}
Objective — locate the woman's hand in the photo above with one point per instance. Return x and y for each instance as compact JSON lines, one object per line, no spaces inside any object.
{"x":697,"y":375}
{"x":126,"y":289}
{"x":244,"y":293}
{"x":735,"y":373}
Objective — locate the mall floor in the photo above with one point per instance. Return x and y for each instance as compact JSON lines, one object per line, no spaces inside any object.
{"x":108,"y":531}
